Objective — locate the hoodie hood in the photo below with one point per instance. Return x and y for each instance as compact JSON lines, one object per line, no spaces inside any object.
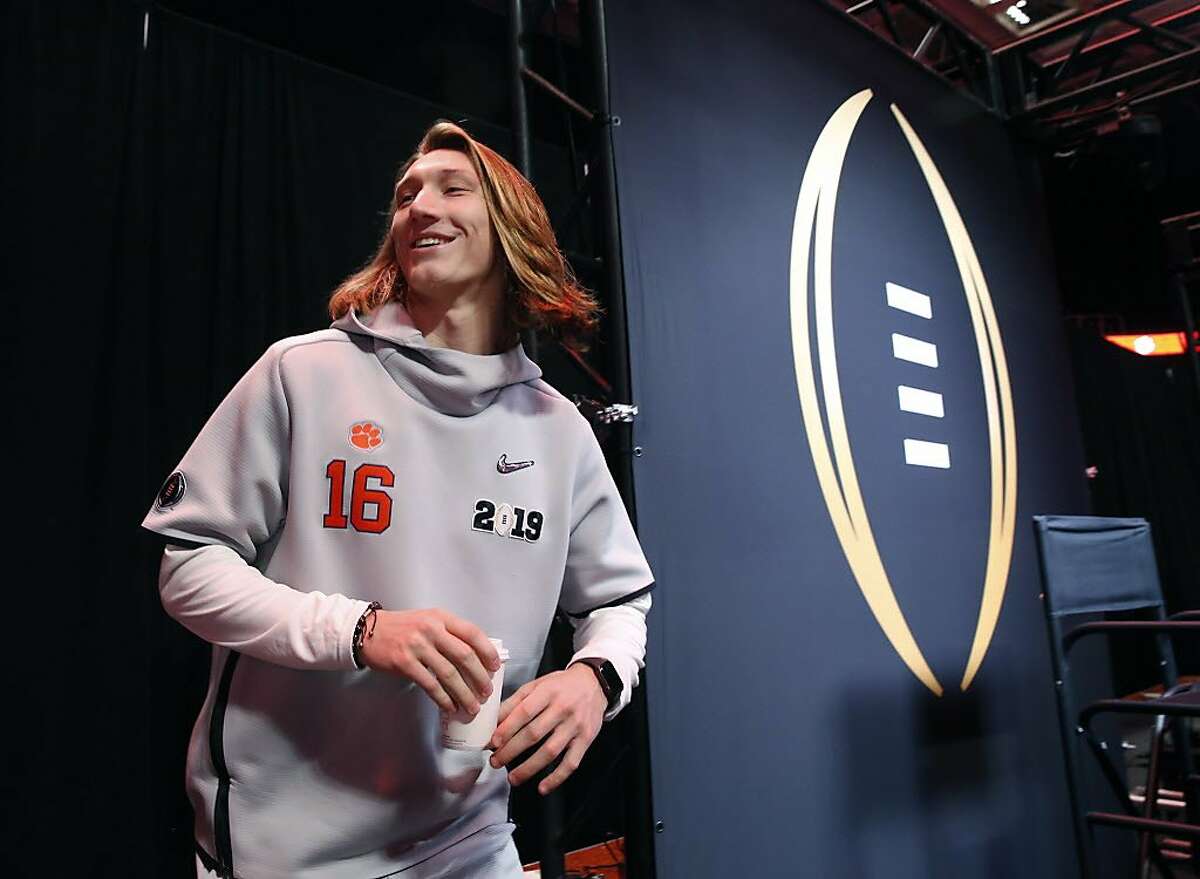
{"x":444,"y":379}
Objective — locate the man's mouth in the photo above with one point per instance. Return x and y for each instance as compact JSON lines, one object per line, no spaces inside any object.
{"x":425,"y":242}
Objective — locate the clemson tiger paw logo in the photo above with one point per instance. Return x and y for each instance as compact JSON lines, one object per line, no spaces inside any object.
{"x":366,"y":435}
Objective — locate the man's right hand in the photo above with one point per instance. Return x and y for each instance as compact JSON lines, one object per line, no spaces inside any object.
{"x":449,"y":658}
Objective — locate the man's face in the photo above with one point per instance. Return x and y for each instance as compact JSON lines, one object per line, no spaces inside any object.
{"x":441,"y":231}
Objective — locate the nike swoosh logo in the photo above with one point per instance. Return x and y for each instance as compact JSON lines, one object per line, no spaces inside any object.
{"x":503,"y":466}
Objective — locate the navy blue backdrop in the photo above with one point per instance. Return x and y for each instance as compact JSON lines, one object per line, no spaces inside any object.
{"x":788,"y":738}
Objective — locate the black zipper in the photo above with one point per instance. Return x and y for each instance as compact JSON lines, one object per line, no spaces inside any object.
{"x":216,"y":744}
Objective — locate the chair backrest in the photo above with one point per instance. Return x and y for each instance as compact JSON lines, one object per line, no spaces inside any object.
{"x":1096,"y":565}
{"x":1090,"y":567}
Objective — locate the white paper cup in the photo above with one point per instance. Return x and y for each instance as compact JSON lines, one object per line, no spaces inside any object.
{"x":460,"y":730}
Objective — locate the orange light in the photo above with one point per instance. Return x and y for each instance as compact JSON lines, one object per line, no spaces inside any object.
{"x":1151,"y":344}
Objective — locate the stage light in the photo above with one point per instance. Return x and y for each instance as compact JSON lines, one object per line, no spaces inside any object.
{"x":1014,"y":12}
{"x":1151,"y":344}
{"x":1026,"y":16}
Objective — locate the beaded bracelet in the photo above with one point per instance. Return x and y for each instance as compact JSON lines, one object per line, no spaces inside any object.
{"x":361,"y":632}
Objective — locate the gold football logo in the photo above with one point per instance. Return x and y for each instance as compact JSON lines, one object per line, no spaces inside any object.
{"x":812,"y":244}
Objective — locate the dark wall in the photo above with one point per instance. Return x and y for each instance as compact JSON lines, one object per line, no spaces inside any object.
{"x":788,"y":738}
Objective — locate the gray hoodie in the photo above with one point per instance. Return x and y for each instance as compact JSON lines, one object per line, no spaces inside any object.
{"x":354,"y":464}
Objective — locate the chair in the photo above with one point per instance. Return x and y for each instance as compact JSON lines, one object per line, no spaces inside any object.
{"x":1091,"y":568}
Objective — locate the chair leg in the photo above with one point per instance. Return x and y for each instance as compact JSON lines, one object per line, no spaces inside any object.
{"x":1109,"y":769}
{"x":1146,"y":839}
{"x":1191,"y":790}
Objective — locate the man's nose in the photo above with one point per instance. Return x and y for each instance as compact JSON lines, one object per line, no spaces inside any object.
{"x":424,"y":204}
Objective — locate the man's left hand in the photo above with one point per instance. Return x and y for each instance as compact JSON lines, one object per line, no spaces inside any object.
{"x":563,"y":711}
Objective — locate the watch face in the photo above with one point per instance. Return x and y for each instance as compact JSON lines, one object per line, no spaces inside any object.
{"x":610,"y":681}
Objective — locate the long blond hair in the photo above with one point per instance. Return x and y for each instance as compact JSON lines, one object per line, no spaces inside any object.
{"x":542,"y":290}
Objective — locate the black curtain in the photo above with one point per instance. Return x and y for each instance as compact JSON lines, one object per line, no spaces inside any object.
{"x":80,"y":648}
{"x":177,"y":198}
{"x":1141,"y":428}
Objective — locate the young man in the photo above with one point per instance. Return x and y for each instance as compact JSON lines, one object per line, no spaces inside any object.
{"x":368,"y":506}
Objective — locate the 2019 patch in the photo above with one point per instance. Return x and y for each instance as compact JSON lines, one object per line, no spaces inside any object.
{"x":506,"y":520}
{"x":172,"y":491}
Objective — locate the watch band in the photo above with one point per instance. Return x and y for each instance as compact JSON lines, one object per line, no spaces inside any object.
{"x":610,"y":681}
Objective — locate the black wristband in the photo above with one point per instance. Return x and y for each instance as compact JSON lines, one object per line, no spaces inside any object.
{"x":361,"y":633}
{"x":607,"y":677}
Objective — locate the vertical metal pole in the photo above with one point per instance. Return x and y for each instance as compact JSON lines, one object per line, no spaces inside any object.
{"x":1017,"y":80}
{"x":520,"y":119}
{"x":614,"y":281}
{"x":995,"y":85}
{"x":1179,"y":279}
{"x":553,"y":865}
{"x":550,"y":807}
{"x":639,"y":829}
{"x":520,"y":110}
{"x":551,"y":856}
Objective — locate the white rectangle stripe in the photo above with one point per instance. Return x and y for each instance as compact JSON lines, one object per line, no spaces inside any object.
{"x":914,"y":350}
{"x":920,"y":402}
{"x":920,"y":453}
{"x":909,"y":300}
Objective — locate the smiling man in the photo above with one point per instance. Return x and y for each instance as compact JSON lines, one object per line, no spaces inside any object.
{"x":365,"y":510}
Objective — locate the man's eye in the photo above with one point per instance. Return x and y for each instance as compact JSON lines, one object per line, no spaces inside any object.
{"x":404,"y":198}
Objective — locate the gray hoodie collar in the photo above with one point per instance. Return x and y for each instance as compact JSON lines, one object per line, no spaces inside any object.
{"x":444,"y":379}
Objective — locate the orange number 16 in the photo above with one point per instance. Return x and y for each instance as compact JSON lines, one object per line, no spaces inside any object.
{"x":361,"y":494}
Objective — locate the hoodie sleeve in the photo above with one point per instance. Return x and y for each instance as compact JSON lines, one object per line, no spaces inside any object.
{"x":605,"y":564}
{"x":231,"y":486}
{"x":227,"y":498}
{"x":212,"y":592}
{"x":617,"y":634}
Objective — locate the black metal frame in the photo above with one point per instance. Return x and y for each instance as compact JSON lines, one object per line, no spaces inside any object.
{"x":1075,"y":723}
{"x":596,"y":191}
{"x":1182,"y":235}
{"x":1065,"y":79}
{"x":1060,"y":81}
{"x":944,"y":47}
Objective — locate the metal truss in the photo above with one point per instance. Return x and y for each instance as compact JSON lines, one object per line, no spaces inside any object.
{"x":594,"y":204}
{"x":1100,"y":67}
{"x":592,"y":221}
{"x":933,"y":39}
{"x":1065,"y":80}
{"x":591,"y":218}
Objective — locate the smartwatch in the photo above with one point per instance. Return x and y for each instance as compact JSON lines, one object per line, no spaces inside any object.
{"x":610,"y":681}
